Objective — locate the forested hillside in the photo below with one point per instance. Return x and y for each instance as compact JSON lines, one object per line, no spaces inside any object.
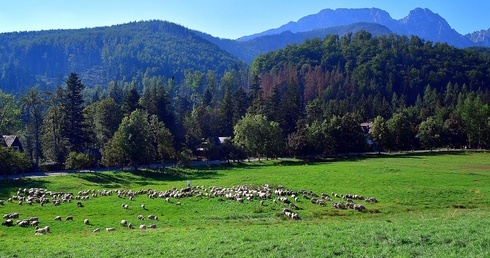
{"x":359,"y":64}
{"x":99,"y":55}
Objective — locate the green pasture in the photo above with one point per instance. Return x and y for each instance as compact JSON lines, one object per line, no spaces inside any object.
{"x":430,"y":204}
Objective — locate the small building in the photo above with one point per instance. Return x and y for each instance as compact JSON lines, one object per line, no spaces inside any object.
{"x":12,"y":142}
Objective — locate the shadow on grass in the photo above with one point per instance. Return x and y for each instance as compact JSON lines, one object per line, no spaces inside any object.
{"x":145,"y":176}
{"x":11,"y":186}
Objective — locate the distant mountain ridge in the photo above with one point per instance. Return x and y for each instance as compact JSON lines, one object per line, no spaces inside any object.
{"x":248,"y":50}
{"x":419,"y":22}
{"x":481,"y":37}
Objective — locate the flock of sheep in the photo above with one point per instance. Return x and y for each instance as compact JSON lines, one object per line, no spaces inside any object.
{"x":288,"y":200}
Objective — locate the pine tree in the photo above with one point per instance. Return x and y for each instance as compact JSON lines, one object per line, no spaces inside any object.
{"x":74,"y":126}
{"x":131,"y":101}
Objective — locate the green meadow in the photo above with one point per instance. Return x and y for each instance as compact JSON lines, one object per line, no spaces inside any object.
{"x":429,"y":205}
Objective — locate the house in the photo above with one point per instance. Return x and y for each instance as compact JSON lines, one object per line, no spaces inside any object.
{"x":11,"y":141}
{"x":367,"y":128}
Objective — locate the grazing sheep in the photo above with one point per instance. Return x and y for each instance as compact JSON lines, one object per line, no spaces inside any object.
{"x":359,"y":207}
{"x":125,"y":206}
{"x":23,"y":223}
{"x":2,"y":202}
{"x":152,"y":226}
{"x":79,"y":204}
{"x":142,"y":227}
{"x":57,"y":218}
{"x":42,"y":230}
{"x":96,"y":230}
{"x":34,"y":223}
{"x":69,"y":218}
{"x":178,"y":203}
{"x":110,"y":229}
{"x":143,"y":207}
{"x":86,"y":222}
{"x":130,"y":226}
{"x":124,"y":223}
{"x":8,"y":223}
{"x":141,"y":217}
{"x":371,"y":199}
{"x":153,"y":217}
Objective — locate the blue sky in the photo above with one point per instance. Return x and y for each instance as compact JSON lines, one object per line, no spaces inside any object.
{"x":221,"y":18}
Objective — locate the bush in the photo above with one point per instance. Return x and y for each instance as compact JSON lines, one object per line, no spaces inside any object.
{"x":78,"y":160}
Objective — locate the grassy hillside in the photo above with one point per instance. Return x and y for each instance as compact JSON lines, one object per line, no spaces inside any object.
{"x":429,"y":205}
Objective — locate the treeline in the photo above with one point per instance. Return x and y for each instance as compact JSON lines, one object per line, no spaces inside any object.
{"x":125,"y":52}
{"x":302,"y":101}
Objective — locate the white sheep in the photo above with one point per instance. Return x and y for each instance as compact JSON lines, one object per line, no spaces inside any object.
{"x":153,"y":217}
{"x":86,"y":222}
{"x":142,"y":227}
{"x":124,"y":223}
{"x":141,"y":217}
{"x":152,"y":226}
{"x":57,"y":218}
{"x":143,"y":207}
{"x":96,"y":230}
{"x":110,"y":229}
{"x":69,"y":218}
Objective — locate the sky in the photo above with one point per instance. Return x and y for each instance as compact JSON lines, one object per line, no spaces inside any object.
{"x":221,"y":18}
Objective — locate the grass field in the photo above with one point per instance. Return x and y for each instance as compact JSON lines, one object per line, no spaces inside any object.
{"x":430,"y":204}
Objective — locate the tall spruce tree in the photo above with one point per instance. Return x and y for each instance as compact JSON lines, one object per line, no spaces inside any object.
{"x":74,"y":126}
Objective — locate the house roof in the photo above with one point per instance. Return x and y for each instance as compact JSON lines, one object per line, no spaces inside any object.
{"x":9,"y":139}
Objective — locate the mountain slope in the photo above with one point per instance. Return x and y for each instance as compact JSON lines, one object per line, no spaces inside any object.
{"x":99,"y":55}
{"x":420,"y":22}
{"x":248,"y":50}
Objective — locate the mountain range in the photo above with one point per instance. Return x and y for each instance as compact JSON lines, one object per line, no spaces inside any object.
{"x":419,"y":22}
{"x":131,"y":51}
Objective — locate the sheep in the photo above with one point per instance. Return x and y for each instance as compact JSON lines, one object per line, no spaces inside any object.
{"x":23,"y":223}
{"x":110,"y":229}
{"x":79,"y":204}
{"x":130,"y":226}
{"x":96,"y":230}
{"x":141,"y":217}
{"x":33,"y":219}
{"x":2,"y":202}
{"x":359,"y":207}
{"x":69,"y":218}
{"x":34,"y":223}
{"x":8,"y":223}
{"x":143,"y":207}
{"x":371,"y":199}
{"x":86,"y":222}
{"x":178,"y":203}
{"x":152,"y":226}
{"x":42,"y":230}
{"x":153,"y":217}
{"x":57,"y":218}
{"x":142,"y":227}
{"x":124,"y":223}
{"x":125,"y":206}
